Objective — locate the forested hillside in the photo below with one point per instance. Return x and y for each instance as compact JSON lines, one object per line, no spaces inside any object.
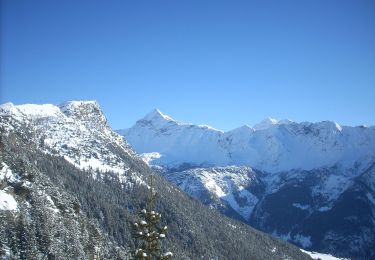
{"x":65,"y":212}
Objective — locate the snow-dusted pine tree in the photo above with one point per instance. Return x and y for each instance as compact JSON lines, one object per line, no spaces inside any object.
{"x":149,"y":233}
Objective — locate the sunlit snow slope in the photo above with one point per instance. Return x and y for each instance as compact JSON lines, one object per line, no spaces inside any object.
{"x":271,"y":145}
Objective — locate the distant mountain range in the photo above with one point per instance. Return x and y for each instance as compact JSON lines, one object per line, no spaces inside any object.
{"x":70,"y":188}
{"x":271,"y":145}
{"x":312,"y":184}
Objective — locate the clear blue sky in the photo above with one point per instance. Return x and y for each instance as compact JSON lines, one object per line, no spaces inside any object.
{"x":221,"y":63}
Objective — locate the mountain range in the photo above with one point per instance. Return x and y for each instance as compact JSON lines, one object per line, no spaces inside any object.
{"x":271,"y":145}
{"x":312,"y":184}
{"x":70,"y":188}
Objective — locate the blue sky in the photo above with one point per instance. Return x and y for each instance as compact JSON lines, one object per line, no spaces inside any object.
{"x":221,"y":63}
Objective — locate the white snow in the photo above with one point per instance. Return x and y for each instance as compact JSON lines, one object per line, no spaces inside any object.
{"x":232,"y":226}
{"x":324,"y":208}
{"x":167,"y":254}
{"x":320,"y":256}
{"x":273,"y":145}
{"x":97,"y":164}
{"x":6,"y":173}
{"x":156,"y":114}
{"x":73,"y":105}
{"x":300,"y":206}
{"x":7,"y":201}
{"x":149,"y":157}
{"x":76,"y":130}
{"x":270,"y":122}
{"x":34,"y":111}
{"x":30,"y":111}
{"x":331,"y":187}
{"x":52,"y":205}
{"x":226,"y":184}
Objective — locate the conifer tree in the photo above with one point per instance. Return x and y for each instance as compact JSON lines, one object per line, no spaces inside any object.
{"x":149,"y":233}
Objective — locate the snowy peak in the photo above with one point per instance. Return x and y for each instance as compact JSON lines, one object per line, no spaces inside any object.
{"x":72,"y":107}
{"x":87,"y":112}
{"x":156,"y":114}
{"x":270,"y":122}
{"x":329,"y":125}
{"x":241,"y":131}
{"x":84,"y":111}
{"x":159,"y":121}
{"x":75,"y":130}
{"x":272,"y":145}
{"x":155,"y":119}
{"x":29,"y":110}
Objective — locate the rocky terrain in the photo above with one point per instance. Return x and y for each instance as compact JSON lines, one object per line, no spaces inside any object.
{"x":311,"y":184}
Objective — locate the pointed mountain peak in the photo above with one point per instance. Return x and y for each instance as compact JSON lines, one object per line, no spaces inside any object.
{"x":245,"y":129}
{"x":156,"y":114}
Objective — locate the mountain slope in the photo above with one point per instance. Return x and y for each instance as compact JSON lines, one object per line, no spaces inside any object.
{"x":72,"y":150}
{"x":301,"y":175}
{"x":44,"y":221}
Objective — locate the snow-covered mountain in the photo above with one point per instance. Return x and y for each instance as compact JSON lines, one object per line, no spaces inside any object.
{"x":270,"y":146}
{"x":283,"y":177}
{"x":76,"y":130}
{"x":70,"y":187}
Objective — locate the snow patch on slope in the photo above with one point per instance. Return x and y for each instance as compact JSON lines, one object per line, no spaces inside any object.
{"x":7,"y":201}
{"x":227,"y":184}
{"x":7,"y":174}
{"x":320,"y":256}
{"x":150,"y":157}
{"x":330,"y":188}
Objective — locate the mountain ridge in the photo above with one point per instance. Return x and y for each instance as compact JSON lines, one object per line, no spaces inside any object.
{"x":281,"y":142}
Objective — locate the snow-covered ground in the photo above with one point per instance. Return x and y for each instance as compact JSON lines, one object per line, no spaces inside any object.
{"x":315,"y":255}
{"x":7,"y":200}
